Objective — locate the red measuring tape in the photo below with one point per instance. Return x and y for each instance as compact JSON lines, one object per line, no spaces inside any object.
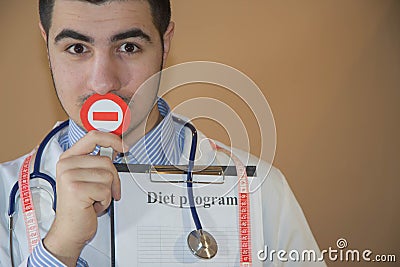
{"x":28,"y":209}
{"x":244,"y":207}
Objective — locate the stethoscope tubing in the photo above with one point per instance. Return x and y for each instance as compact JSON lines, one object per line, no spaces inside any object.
{"x":189,"y":179}
{"x":36,"y":173}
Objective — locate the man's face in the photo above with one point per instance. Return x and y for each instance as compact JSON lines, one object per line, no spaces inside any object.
{"x":113,"y":47}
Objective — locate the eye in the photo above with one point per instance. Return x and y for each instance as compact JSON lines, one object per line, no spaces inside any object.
{"x":128,"y":48}
{"x":77,"y":49}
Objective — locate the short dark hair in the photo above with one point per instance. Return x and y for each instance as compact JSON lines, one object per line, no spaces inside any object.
{"x":160,"y":11}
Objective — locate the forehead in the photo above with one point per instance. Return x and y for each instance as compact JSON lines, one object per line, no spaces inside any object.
{"x":101,"y":20}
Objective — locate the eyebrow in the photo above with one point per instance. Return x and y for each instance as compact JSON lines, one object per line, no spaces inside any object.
{"x":67,"y":33}
{"x":132,"y":33}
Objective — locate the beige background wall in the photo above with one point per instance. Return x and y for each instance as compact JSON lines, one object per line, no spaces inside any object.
{"x":329,"y":69}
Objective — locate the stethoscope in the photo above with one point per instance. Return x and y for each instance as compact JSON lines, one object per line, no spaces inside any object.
{"x":36,"y":174}
{"x":201,"y":243}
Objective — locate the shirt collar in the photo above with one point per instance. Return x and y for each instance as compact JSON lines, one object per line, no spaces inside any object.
{"x":160,"y":146}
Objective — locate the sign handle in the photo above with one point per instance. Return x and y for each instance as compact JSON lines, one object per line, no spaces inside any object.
{"x":107,"y":151}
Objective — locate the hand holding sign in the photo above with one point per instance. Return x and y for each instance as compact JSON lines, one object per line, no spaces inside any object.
{"x":106,"y":113}
{"x":86,"y":184}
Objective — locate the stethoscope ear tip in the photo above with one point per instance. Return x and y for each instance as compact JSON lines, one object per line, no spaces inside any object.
{"x":202,"y":244}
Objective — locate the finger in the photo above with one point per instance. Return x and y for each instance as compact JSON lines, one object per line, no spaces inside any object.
{"x":84,"y":161}
{"x":107,"y":177}
{"x":116,"y":187}
{"x":88,"y":143}
{"x":91,"y":193}
{"x":89,"y":175}
{"x":99,"y":208}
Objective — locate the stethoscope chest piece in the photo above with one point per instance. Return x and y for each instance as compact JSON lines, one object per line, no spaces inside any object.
{"x":202,"y":244}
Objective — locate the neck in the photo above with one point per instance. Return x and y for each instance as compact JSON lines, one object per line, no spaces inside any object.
{"x":153,"y":119}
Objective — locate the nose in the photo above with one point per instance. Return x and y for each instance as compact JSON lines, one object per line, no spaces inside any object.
{"x":103,"y":75}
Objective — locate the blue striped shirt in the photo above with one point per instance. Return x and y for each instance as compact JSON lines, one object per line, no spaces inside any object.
{"x":41,"y":257}
{"x":161,"y":146}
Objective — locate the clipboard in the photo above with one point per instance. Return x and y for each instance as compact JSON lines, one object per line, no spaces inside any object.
{"x":172,"y":175}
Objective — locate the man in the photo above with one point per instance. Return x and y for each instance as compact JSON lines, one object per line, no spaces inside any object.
{"x":100,"y":47}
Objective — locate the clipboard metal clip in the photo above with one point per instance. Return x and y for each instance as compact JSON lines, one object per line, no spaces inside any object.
{"x":177,"y":174}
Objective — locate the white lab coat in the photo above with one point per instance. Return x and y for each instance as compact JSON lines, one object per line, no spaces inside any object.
{"x":284,"y":225}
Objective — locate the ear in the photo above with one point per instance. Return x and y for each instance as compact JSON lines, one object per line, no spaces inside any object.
{"x":167,"y":39}
{"x":43,"y":32}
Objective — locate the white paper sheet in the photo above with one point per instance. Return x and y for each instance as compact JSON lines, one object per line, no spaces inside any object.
{"x":153,"y":220}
